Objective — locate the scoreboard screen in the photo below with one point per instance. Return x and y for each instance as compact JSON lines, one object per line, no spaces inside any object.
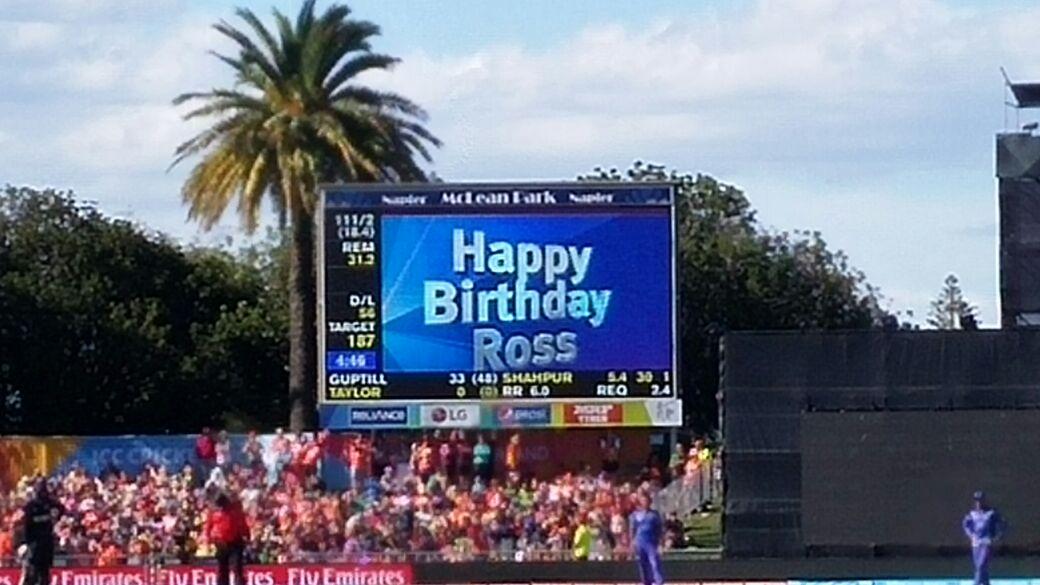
{"x":497,"y":297}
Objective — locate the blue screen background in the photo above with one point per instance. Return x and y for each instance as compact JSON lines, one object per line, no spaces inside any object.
{"x":631,"y":256}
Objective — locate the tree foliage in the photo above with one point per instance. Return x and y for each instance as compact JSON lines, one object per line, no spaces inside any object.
{"x":950,"y":310}
{"x":108,"y":329}
{"x":734,"y":275}
{"x":296,"y":117}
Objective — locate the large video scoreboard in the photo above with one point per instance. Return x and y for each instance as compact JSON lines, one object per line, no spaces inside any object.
{"x":498,"y":305}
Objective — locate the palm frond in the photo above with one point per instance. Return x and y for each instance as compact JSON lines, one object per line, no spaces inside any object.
{"x":252,"y":75}
{"x":206,"y":138}
{"x":233,"y":103}
{"x":315,"y":52}
{"x":296,"y":118}
{"x":256,"y":182}
{"x":331,"y":131}
{"x":252,"y":191}
{"x":203,"y":190}
{"x":415,"y":129}
{"x":417,"y":145}
{"x":213,"y":93}
{"x":290,"y":45}
{"x":238,"y":65}
{"x":380,"y":100}
{"x":249,"y":52}
{"x":305,"y":19}
{"x":350,"y":69}
{"x":273,"y":49}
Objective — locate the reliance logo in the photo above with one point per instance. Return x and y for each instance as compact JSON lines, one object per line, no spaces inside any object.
{"x":379,"y":416}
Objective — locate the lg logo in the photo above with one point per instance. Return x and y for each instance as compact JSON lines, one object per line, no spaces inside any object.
{"x":452,"y":415}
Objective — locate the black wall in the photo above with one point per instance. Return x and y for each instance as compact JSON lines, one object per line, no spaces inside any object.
{"x":903,"y":480}
{"x":1018,"y":176}
{"x":872,"y":442}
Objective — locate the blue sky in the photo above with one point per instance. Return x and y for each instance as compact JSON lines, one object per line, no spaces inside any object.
{"x":871,"y":121}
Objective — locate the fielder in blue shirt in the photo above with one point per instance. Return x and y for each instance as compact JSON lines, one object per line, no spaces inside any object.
{"x":983,"y":526}
{"x":645,"y":528}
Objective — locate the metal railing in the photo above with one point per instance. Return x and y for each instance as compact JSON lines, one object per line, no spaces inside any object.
{"x":494,"y":556}
{"x":82,"y":560}
{"x":685,"y":495}
{"x":156,"y":562}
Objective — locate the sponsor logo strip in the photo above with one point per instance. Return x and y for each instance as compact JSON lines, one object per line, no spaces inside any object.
{"x":332,"y":574}
{"x":593,"y":415}
{"x":86,"y":576}
{"x":452,"y":416}
{"x":379,"y":416}
{"x":523,"y":416}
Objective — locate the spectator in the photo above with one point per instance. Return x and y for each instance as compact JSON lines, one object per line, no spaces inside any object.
{"x":226,"y":528}
{"x":464,"y":455}
{"x":677,"y":462}
{"x":222,"y":449}
{"x":6,"y":541}
{"x":610,"y":451}
{"x":311,"y":454}
{"x":253,"y":452}
{"x":360,"y":460}
{"x":216,"y":481}
{"x":206,"y":451}
{"x":423,"y":457}
{"x":704,"y":454}
{"x":604,"y":539}
{"x":306,"y":455}
{"x":513,"y":454}
{"x":582,"y":546}
{"x":482,"y":459}
{"x":448,"y":457}
{"x":693,"y":464}
{"x":655,"y":470}
{"x":282,"y":448}
{"x":110,"y":555}
{"x":674,"y":532}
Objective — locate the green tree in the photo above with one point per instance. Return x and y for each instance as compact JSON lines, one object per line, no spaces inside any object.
{"x":734,"y":275}
{"x":105,"y":328}
{"x":950,"y":310}
{"x":297,"y":117}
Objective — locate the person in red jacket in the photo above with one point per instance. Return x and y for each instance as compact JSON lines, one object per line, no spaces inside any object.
{"x":227,"y":529}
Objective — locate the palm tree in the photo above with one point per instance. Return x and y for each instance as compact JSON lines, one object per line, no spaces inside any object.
{"x":297,"y":117}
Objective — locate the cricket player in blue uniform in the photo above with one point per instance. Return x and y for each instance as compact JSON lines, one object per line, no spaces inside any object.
{"x":645,"y":528}
{"x":983,"y":526}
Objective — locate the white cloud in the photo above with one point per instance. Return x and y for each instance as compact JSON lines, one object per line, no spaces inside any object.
{"x":138,"y":129}
{"x":91,"y":74}
{"x":180,"y":62}
{"x":29,"y":36}
{"x":837,"y":115}
{"x":122,"y":62}
{"x":785,"y":64}
{"x":126,"y":139}
{"x":871,"y":120}
{"x":81,"y":10}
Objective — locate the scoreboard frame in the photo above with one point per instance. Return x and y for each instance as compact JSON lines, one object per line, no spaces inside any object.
{"x":421,"y":411}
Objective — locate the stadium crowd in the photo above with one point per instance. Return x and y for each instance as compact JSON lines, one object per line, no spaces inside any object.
{"x":441,"y":497}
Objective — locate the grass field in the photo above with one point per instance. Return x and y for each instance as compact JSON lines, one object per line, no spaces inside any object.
{"x":704,"y":529}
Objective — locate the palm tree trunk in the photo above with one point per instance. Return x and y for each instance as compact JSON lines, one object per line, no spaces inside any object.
{"x":303,"y":338}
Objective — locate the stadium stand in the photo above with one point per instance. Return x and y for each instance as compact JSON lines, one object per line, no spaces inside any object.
{"x":429,"y":507}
